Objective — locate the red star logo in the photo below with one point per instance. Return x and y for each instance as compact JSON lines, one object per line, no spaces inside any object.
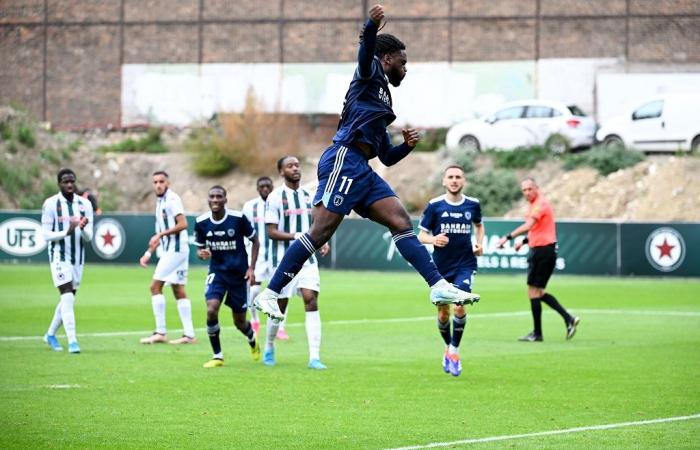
{"x":665,"y":249}
{"x":108,"y":238}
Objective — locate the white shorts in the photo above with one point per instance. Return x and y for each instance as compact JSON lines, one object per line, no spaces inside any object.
{"x":64,"y":272}
{"x":172,"y":267}
{"x":307,"y":278}
{"x":263,"y":271}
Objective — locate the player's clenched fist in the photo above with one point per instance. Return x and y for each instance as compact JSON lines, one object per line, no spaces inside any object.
{"x":376,"y":13}
{"x":410,"y":137}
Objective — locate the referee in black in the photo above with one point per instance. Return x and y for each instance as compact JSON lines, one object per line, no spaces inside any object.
{"x":542,"y":238}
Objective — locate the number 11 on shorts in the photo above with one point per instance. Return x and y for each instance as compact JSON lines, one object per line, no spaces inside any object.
{"x":342,"y":185}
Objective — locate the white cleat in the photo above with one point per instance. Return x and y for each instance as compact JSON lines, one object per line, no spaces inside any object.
{"x":443,"y":293}
{"x":266,"y":302}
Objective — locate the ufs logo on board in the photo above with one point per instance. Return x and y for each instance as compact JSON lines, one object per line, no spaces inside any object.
{"x":109,"y":239}
{"x":665,"y":249}
{"x":21,"y":237}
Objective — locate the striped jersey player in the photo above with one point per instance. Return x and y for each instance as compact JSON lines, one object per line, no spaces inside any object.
{"x":67,"y":223}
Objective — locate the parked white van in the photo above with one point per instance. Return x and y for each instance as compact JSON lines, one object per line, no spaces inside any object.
{"x":663,"y":123}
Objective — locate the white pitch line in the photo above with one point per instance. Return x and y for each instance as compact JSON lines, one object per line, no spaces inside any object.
{"x":552,"y":432}
{"x":393,"y":320}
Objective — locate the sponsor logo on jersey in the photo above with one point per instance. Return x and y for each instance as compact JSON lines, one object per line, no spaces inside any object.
{"x":384,"y":96}
{"x":21,"y":237}
{"x":219,"y":233}
{"x":445,"y":214}
{"x":665,"y":249}
{"x":109,"y":239}
{"x":456,"y":228}
{"x":456,"y":215}
{"x":209,"y":233}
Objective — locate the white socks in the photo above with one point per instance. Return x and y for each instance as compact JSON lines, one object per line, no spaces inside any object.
{"x":158,"y":303}
{"x":184,"y":308}
{"x":271,"y":331}
{"x":56,"y":321}
{"x":252,"y":293}
{"x":67,"y":315}
{"x":313,"y":334}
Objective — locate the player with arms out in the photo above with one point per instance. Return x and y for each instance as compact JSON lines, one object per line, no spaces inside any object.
{"x":171,"y":236}
{"x":66,"y":220}
{"x":219,"y":238}
{"x":346,"y":181}
{"x":447,"y":225}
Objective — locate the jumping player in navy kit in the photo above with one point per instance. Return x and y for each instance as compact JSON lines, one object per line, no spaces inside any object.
{"x":346,"y":181}
{"x":447,"y":224}
{"x":219,"y":237}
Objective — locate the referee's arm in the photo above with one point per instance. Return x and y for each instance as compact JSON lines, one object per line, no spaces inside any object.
{"x":524,"y":228}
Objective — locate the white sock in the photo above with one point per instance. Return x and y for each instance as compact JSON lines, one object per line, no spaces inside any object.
{"x":441,"y":283}
{"x":271,"y":331}
{"x":252,"y":293}
{"x":67,"y":315}
{"x":313,"y":334}
{"x":56,"y":321}
{"x":184,"y":307}
{"x":219,"y":355}
{"x":284,"y":320}
{"x":158,"y":303}
{"x":453,"y":350}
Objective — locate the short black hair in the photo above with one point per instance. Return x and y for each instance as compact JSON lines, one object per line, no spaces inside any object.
{"x":280,"y":162}
{"x":161,"y":172}
{"x":453,"y":166}
{"x":264,"y":178}
{"x":218,"y":186}
{"x":387,"y":44}
{"x":64,"y":171}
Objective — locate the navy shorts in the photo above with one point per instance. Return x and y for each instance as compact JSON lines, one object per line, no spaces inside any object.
{"x":232,"y":289}
{"x":462,"y":277}
{"x":346,"y":182}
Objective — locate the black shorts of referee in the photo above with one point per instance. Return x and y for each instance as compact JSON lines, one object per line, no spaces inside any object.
{"x":540,"y":264}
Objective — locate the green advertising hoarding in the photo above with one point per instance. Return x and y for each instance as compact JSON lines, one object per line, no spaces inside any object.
{"x":585,"y":247}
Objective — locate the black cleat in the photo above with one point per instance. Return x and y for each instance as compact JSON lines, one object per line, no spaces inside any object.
{"x":532,"y":337}
{"x":571,"y":327}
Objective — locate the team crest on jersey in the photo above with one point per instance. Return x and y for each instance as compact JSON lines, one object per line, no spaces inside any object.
{"x":665,"y":249}
{"x":384,"y":96}
{"x":109,"y":239}
{"x":230,"y":232}
{"x":467,"y":215}
{"x":338,"y":200}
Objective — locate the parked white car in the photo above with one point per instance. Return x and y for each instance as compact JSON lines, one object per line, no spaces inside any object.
{"x":664,"y":123}
{"x":523,"y":123}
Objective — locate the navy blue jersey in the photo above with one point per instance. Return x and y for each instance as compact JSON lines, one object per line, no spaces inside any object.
{"x":367,"y":110}
{"x":224,"y":238}
{"x":455,"y":220}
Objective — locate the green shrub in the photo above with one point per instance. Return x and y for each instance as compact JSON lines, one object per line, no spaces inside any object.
{"x":50,"y":156}
{"x":605,"y":160}
{"x":16,"y":181}
{"x":496,"y":189}
{"x":5,"y":131}
{"x":25,"y":135}
{"x":465,"y":160}
{"x":520,"y":158}
{"x":205,"y":146}
{"x":431,"y":140}
{"x":35,"y":200}
{"x":151,"y":143}
{"x":108,"y":199}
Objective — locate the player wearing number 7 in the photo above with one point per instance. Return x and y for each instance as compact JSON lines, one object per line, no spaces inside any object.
{"x":219,"y":238}
{"x":347,"y":182}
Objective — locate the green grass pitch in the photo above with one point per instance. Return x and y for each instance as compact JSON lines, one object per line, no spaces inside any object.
{"x":636,"y":357}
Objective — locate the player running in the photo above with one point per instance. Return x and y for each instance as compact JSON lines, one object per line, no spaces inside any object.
{"x":447,"y":225}
{"x":346,"y":181}
{"x":287,"y":217}
{"x":219,"y":238}
{"x":171,"y":236}
{"x":66,"y":220}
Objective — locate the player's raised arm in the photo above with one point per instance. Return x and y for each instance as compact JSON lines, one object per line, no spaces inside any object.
{"x":365,"y":56}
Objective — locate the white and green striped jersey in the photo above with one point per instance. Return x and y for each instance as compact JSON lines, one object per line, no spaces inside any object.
{"x":254,"y":210}
{"x":290,"y":210}
{"x":169,"y":206}
{"x":55,"y":221}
